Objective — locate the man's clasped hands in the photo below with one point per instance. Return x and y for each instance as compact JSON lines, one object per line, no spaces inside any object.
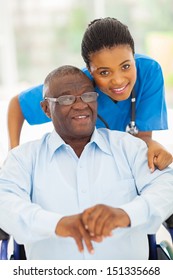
{"x":93,"y":224}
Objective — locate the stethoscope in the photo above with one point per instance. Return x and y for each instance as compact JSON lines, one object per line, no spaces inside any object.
{"x":131,"y":127}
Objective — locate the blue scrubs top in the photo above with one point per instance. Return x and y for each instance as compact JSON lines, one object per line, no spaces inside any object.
{"x":151,"y":113}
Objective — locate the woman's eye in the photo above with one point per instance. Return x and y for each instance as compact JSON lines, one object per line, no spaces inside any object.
{"x":126,"y":66}
{"x":104,"y":73}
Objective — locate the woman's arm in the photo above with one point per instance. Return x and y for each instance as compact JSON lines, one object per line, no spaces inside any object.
{"x":15,"y":120}
{"x":158,"y":156}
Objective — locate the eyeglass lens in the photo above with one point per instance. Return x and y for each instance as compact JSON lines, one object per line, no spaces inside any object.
{"x":70,"y":99}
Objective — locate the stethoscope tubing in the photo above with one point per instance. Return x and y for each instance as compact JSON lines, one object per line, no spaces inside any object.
{"x":131,"y":127}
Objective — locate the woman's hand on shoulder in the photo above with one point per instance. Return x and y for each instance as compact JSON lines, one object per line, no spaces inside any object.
{"x":158,"y":156}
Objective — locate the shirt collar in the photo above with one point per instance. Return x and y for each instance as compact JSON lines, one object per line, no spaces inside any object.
{"x":99,"y":138}
{"x":55,"y":141}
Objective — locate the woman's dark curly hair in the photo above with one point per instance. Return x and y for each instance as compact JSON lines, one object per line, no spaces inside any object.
{"x":104,"y":33}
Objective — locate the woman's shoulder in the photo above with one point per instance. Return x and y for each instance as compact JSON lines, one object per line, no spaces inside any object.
{"x":143,"y":61}
{"x":36,"y":91}
{"x":147,"y":70}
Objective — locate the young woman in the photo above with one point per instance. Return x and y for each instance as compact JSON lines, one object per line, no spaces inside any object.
{"x":130,"y":86}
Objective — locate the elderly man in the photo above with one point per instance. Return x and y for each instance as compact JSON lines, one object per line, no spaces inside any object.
{"x":62,"y":195}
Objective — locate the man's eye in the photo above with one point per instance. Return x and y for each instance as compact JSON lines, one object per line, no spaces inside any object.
{"x":69,"y":98}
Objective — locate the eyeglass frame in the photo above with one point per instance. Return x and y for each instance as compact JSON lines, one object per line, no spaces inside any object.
{"x":56,"y":99}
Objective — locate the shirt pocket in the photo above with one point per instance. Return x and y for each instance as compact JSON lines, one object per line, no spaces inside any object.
{"x":117,"y":193}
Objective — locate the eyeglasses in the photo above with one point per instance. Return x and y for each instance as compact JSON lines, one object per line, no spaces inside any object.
{"x":86,"y":97}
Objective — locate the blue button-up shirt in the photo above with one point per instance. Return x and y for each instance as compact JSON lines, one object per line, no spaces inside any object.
{"x":43,"y":180}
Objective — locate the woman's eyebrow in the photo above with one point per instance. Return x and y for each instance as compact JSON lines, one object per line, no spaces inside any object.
{"x":105,"y":67}
{"x":128,"y":60}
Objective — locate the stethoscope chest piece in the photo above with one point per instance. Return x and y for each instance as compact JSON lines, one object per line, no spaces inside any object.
{"x":132,"y":128}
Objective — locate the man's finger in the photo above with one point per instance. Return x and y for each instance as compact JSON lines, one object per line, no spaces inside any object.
{"x":78,"y":239}
{"x":99,"y":224}
{"x":85,"y":216}
{"x":87,"y":240}
{"x":92,"y":217}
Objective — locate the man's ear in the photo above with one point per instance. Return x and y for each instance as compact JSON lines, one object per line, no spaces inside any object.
{"x":45,"y":107}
